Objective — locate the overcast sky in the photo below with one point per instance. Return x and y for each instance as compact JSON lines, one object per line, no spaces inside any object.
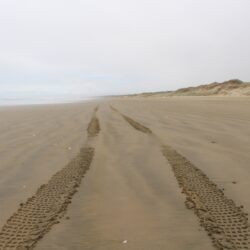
{"x":96,"y":47}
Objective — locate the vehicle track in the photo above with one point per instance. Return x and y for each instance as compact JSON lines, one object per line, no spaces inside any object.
{"x":94,"y":125}
{"x":226,"y":223}
{"x":136,"y":125}
{"x":39,"y":213}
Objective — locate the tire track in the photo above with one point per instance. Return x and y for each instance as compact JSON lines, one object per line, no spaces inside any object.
{"x":136,"y":125}
{"x":226,"y":223}
{"x":39,"y":213}
{"x":34,"y":218}
{"x":94,"y":125}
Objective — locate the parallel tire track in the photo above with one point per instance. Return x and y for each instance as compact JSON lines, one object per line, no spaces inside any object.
{"x":94,"y":125}
{"x":136,"y":125}
{"x":227,"y":225}
{"x":40,"y":212}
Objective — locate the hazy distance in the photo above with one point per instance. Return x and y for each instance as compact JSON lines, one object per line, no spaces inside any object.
{"x":87,"y":48}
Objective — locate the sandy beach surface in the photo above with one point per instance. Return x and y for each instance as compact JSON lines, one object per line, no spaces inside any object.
{"x":128,"y":173}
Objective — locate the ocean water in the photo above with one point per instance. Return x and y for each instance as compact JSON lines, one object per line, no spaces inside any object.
{"x":14,"y":101}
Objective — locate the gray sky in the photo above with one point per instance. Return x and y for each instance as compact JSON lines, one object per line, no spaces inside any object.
{"x":95,"y":47}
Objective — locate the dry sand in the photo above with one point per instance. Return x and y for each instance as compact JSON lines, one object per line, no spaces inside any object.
{"x":126,"y":174}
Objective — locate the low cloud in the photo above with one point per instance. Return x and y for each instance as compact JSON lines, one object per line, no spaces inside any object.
{"x":113,"y":47}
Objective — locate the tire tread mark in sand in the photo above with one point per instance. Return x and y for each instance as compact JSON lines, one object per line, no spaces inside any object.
{"x":226,"y":224}
{"x":39,"y":213}
{"x":136,"y":125}
{"x":94,"y":125}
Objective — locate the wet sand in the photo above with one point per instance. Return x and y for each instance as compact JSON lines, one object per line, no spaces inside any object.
{"x":136,"y":193}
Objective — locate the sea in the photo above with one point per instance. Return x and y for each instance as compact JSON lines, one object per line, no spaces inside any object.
{"x":14,"y":101}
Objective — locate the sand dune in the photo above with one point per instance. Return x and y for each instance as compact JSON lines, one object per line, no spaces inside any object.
{"x":162,"y":174}
{"x":232,"y":87}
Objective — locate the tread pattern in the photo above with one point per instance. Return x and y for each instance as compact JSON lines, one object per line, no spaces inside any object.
{"x":136,"y":125}
{"x":44,"y":209}
{"x":94,"y":125}
{"x":226,"y":224}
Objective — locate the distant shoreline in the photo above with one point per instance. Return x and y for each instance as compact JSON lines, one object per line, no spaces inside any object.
{"x":42,"y":101}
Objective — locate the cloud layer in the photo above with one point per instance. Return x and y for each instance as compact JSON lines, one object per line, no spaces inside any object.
{"x":96,"y":47}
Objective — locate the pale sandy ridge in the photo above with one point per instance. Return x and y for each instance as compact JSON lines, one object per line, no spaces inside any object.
{"x":232,"y":87}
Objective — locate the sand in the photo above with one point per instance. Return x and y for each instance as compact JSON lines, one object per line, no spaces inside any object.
{"x":170,"y":173}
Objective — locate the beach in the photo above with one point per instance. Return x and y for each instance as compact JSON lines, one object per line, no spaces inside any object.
{"x":134,"y":190}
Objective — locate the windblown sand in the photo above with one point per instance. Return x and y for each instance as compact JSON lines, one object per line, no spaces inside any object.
{"x":169,"y":173}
